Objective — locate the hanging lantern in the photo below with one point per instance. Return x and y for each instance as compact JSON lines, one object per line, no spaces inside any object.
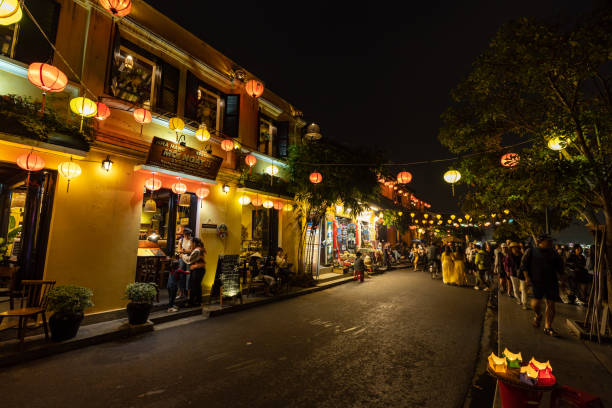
{"x":179,"y":187}
{"x":10,"y":12}
{"x":257,"y":202}
{"x":254,"y":88}
{"x":506,"y":211}
{"x":46,"y":77}
{"x":278,"y":205}
{"x":452,"y":176}
{"x":316,"y":177}
{"x":227,"y":145}
{"x":118,"y":8}
{"x":404,"y":177}
{"x":250,"y":160}
{"x":425,"y":216}
{"x":271,"y":170}
{"x":510,"y":159}
{"x":84,"y":107}
{"x":244,"y":200}
{"x":268,"y":204}
{"x":153,"y":184}
{"x":69,"y":170}
{"x":313,"y":132}
{"x":558,"y":143}
{"x":142,"y":116}
{"x":176,"y":124}
{"x":185,"y":200}
{"x":287,"y":207}
{"x":31,"y":162}
{"x":102,"y":111}
{"x":150,"y":206}
{"x":202,"y":193}
{"x":202,"y":134}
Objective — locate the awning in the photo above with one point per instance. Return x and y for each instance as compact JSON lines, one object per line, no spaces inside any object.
{"x":145,"y":168}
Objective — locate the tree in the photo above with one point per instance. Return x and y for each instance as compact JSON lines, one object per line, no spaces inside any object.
{"x":539,"y":81}
{"x":351,"y":185}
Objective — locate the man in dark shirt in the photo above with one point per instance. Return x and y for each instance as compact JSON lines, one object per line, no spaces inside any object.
{"x":542,"y":266}
{"x":359,"y":267}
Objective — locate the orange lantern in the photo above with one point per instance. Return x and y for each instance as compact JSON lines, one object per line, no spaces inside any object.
{"x":142,"y":116}
{"x":202,"y":193}
{"x":179,"y":187}
{"x":510,"y":159}
{"x":153,"y":183}
{"x":254,"y":88}
{"x":103,"y":111}
{"x":31,"y":162}
{"x":118,"y":8}
{"x":250,"y":160}
{"x":404,"y":177}
{"x":278,"y":205}
{"x":256,"y":202}
{"x":48,"y":78}
{"x":227,"y":145}
{"x":316,"y":177}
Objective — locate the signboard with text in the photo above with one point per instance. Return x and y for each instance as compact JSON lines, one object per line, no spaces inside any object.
{"x":172,"y":156}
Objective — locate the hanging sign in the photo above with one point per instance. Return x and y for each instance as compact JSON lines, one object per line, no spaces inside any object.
{"x":172,"y":156}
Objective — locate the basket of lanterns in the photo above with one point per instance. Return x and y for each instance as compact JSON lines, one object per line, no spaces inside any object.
{"x":520,"y":384}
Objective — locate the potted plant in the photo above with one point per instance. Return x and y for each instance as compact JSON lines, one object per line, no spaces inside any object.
{"x":141,"y":295}
{"x":67,"y":302}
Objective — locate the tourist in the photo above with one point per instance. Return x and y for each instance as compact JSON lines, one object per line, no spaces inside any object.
{"x":504,"y":281}
{"x":512,"y":264}
{"x":185,"y":246}
{"x":543,"y":266}
{"x":197,"y":269}
{"x":359,"y":267}
{"x":173,"y":278}
{"x":481,"y":264}
{"x":489,"y":259}
{"x":459,"y":265}
{"x":447,"y":266}
{"x":415,"y":256}
{"x":577,"y":276}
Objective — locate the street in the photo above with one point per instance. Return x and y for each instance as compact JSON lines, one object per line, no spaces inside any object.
{"x":398,"y":340}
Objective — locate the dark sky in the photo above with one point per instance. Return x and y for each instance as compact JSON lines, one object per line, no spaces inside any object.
{"x":369,"y":75}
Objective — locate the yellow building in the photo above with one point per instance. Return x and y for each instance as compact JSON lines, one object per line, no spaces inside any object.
{"x":91,"y":233}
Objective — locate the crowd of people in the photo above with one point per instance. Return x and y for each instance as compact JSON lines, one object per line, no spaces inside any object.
{"x":542,"y":271}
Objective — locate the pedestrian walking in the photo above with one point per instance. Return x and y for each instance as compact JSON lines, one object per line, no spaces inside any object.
{"x":448,"y":268}
{"x":459,"y":267}
{"x":543,"y":266}
{"x":512,"y":266}
{"x":359,"y":267}
{"x":173,"y":279}
{"x":504,"y":280}
{"x":482,"y":263}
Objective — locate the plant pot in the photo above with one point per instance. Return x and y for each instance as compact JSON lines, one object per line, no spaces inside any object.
{"x":138,"y":313}
{"x":64,"y":326}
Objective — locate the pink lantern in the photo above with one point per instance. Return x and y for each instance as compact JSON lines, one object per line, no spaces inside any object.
{"x":179,"y":187}
{"x":257,"y":202}
{"x":153,"y":183}
{"x":31,"y":162}
{"x":278,"y":205}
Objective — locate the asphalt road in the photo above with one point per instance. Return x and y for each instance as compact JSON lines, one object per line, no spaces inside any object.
{"x":397,"y":340}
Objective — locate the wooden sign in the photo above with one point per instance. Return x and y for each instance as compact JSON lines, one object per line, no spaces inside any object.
{"x":172,"y":156}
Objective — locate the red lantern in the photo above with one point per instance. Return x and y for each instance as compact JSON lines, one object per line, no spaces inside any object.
{"x":510,"y":159}
{"x":179,"y":188}
{"x":153,"y":184}
{"x":202,"y":192}
{"x":278,"y":205}
{"x":47,"y":77}
{"x":31,"y":162}
{"x":254,"y":88}
{"x":404,"y":177}
{"x":250,"y":160}
{"x":256,"y":202}
{"x":103,"y":111}
{"x":142,"y":116}
{"x":117,"y":8}
{"x":227,"y":145}
{"x":316,"y":178}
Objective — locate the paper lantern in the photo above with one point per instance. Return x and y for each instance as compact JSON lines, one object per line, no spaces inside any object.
{"x":202,"y":193}
{"x":202,"y":134}
{"x":452,"y":176}
{"x":545,"y":376}
{"x":254,"y":88}
{"x":118,"y":8}
{"x":528,"y":375}
{"x":256,"y":202}
{"x":510,"y":159}
{"x":316,"y":178}
{"x":227,"y":145}
{"x":278,"y":205}
{"x":179,"y":187}
{"x":69,"y":170}
{"x":10,"y":12}
{"x":250,"y":160}
{"x":84,"y":107}
{"x":150,"y":206}
{"x":153,"y":184}
{"x":272,"y":170}
{"x":103,"y":111}
{"x":142,"y":116}
{"x":268,"y":204}
{"x":176,"y":124}
{"x":47,"y":77}
{"x":30,"y":162}
{"x":514,"y":360}
{"x":404,"y":177}
{"x":244,"y":200}
{"x":557,"y":143}
{"x":313,"y":132}
{"x":287,"y":207}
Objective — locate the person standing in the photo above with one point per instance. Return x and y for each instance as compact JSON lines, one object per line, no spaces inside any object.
{"x":512,"y":264}
{"x":543,"y":266}
{"x":447,"y":266}
{"x":197,"y":268}
{"x":459,"y":265}
{"x":481,"y":263}
{"x":432,"y":258}
{"x":359,"y":267}
{"x":505,"y":283}
{"x":577,"y":275}
{"x":185,"y":246}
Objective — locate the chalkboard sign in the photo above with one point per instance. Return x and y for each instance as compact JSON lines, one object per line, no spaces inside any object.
{"x":227,"y":276}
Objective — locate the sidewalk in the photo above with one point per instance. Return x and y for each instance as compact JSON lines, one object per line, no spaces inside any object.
{"x":582,"y":364}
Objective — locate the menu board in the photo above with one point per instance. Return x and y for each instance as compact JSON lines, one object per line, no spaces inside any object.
{"x":172,"y":156}
{"x":227,"y":276}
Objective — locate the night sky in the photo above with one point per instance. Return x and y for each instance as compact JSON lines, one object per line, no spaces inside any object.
{"x":373,"y":75}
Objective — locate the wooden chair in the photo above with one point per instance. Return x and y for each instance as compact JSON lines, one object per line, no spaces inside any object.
{"x":7,"y":284}
{"x":34,"y":298}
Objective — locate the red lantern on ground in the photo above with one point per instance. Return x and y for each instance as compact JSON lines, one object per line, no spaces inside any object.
{"x":31,"y":162}
{"x":227,"y":145}
{"x":404,"y":177}
{"x":179,"y":187}
{"x":510,"y":159}
{"x":250,"y":160}
{"x":316,"y":177}
{"x":142,"y":116}
{"x":278,"y":205}
{"x":48,"y":78}
{"x":254,"y":88}
{"x":103,"y":111}
{"x":118,"y":8}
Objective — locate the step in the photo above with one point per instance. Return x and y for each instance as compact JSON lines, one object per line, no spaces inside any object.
{"x":162,"y":316}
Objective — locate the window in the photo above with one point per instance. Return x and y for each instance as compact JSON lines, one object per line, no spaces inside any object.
{"x":209,"y":108}
{"x":232,"y":113}
{"x":24,"y":41}
{"x":267,"y":135}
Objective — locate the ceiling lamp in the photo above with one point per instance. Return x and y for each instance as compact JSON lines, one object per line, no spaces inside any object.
{"x":557,"y":143}
{"x":107,"y":164}
{"x":510,"y":159}
{"x":179,"y":187}
{"x":153,"y":184}
{"x":268,"y":204}
{"x":315,"y":177}
{"x":10,"y":12}
{"x":69,"y":170}
{"x":287,"y":207}
{"x":185,"y":200}
{"x":272,"y":170}
{"x":118,"y":8}
{"x":150,"y":206}
{"x":313,"y":132}
{"x":257,"y":202}
{"x":451,"y":177}
{"x":404,"y":177}
{"x":227,"y":145}
{"x":254,"y":88}
{"x":84,"y":107}
{"x":102,"y":111}
{"x":46,"y":77}
{"x":278,"y":205}
{"x":202,"y":134}
{"x":244,"y":200}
